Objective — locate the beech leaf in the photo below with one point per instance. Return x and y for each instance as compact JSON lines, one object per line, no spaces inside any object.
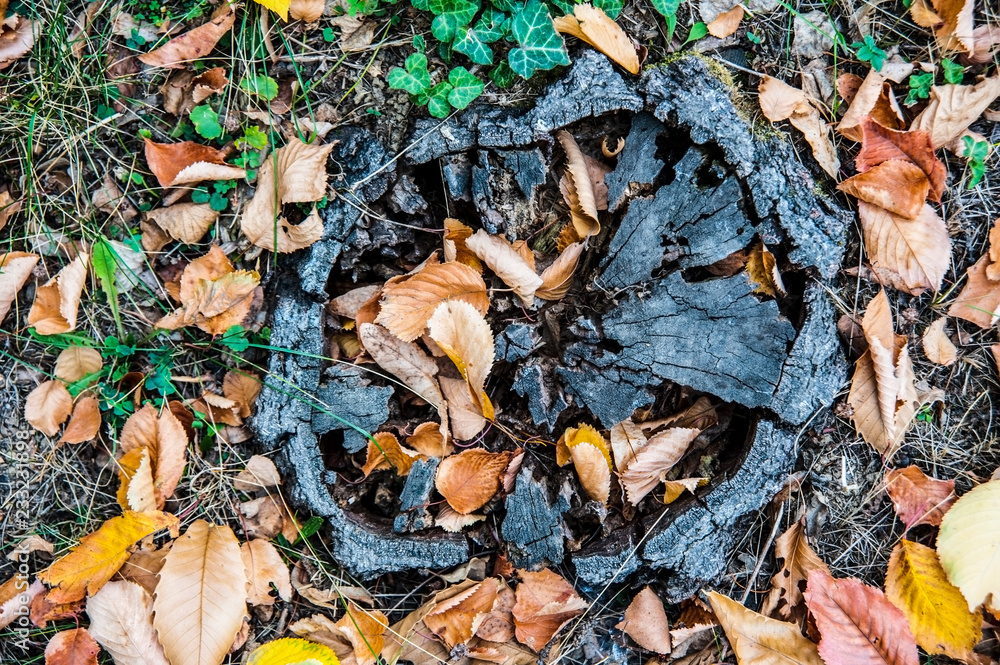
{"x":57,"y":302}
{"x":762,"y":641}
{"x":880,"y":144}
{"x":558,"y":277}
{"x":471,"y":478}
{"x":193,"y":44}
{"x":164,"y":436}
{"x":581,"y":194}
{"x":76,"y":362}
{"x":937,"y":347}
{"x":265,"y":567}
{"x":292,"y":650}
{"x":545,"y":603}
{"x":780,"y":101}
{"x":407,"y":304}
{"x":508,"y":265}
{"x":85,"y":423}
{"x":968,"y":545}
{"x":896,"y":185}
{"x":784,"y":600}
{"x":646,"y":622}
{"x":187,"y":163}
{"x":650,"y":465}
{"x":979,"y":300}
{"x":917,"y":498}
{"x":590,"y":24}
{"x":911,"y":255}
{"x":185,"y":222}
{"x":465,"y":336}
{"x":121,"y":620}
{"x":72,"y":647}
{"x":48,"y":406}
{"x":15,"y":268}
{"x":952,"y":108}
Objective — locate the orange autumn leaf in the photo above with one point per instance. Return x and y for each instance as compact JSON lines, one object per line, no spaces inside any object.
{"x":591,"y":25}
{"x":873,"y":99}
{"x":15,"y":268}
{"x":455,"y":249}
{"x":187,"y":163}
{"x":726,"y":23}
{"x":57,"y":302}
{"x":646,"y":622}
{"x":465,"y":336}
{"x":100,"y":554}
{"x":880,"y":144}
{"x":784,"y":599}
{"x":979,"y":300}
{"x":756,"y":638}
{"x":918,"y":498}
{"x":937,"y":347}
{"x":193,"y":44}
{"x":264,"y":567}
{"x":48,"y":406}
{"x":428,"y":440}
{"x":85,"y":423}
{"x":164,"y":436}
{"x":386,"y":453}
{"x":453,"y":620}
{"x":951,"y":20}
{"x":243,"y":388}
{"x":558,"y":277}
{"x":911,"y":255}
{"x":545,"y":603}
{"x":72,"y":647}
{"x":896,"y":185}
{"x":471,"y":478}
{"x":408,"y":304}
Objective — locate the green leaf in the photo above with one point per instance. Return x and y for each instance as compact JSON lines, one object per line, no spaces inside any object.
{"x":422,"y":5}
{"x":953,"y":71}
{"x":415,"y":79}
{"x":200,"y":195}
{"x":437,"y":100}
{"x":540,"y":46}
{"x":754,"y":38}
{"x":235,"y":338}
{"x":449,"y":16}
{"x":668,"y":9}
{"x":564,"y":6}
{"x":206,"y":122}
{"x":469,"y":43}
{"x":920,"y":87}
{"x":869,"y":51}
{"x":503,"y":75}
{"x":466,"y":86}
{"x":610,"y":7}
{"x":492,"y":25}
{"x":974,"y":150}
{"x":419,"y":43}
{"x":698,"y":30}
{"x":328,"y":35}
{"x":260,"y":85}
{"x":507,"y":6}
{"x":310,"y":527}
{"x":104,"y":259}
{"x":253,"y":137}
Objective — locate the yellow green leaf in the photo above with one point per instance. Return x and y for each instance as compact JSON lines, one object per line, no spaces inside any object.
{"x":937,"y":612}
{"x":293,"y":651}
{"x":968,"y":545}
{"x":279,"y":7}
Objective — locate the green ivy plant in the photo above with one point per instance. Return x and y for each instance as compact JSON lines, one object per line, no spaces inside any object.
{"x":976,"y":153}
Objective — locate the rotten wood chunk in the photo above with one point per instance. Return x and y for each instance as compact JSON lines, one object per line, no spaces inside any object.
{"x":533,"y":529}
{"x":416,"y":496}
{"x":638,"y":166}
{"x":348,"y":402}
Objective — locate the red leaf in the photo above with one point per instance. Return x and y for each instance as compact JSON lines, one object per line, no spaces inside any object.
{"x":918,"y":498}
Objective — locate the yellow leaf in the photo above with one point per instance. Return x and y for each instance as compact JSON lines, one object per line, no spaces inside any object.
{"x":968,"y":545}
{"x":293,"y":651}
{"x":939,"y":617}
{"x":759,"y":640}
{"x":763,"y":270}
{"x":100,"y":554}
{"x":279,"y":7}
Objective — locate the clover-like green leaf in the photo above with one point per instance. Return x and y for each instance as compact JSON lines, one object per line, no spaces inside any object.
{"x":449,"y":16}
{"x":953,"y":72}
{"x":206,"y":121}
{"x":492,"y":25}
{"x":415,"y":79}
{"x":261,"y":85}
{"x":437,"y":100}
{"x":468,"y":42}
{"x":668,"y":9}
{"x":539,"y":45}
{"x":466,"y":86}
{"x":920,"y":87}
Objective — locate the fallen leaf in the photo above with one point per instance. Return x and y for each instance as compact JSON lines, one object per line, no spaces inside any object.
{"x":356,"y":638}
{"x":121,"y":620}
{"x":590,"y":24}
{"x":356,"y":34}
{"x":200,"y":602}
{"x":762,"y":641}
{"x":938,"y":614}
{"x":918,"y":498}
{"x":726,"y":23}
{"x":911,"y":255}
{"x":646,"y":622}
{"x":348,"y":304}
{"x":265,"y":567}
{"x":627,"y":440}
{"x":594,"y":470}
{"x":183,"y":89}
{"x":32,"y":543}
{"x":650,"y":465}
{"x":72,"y":647}
{"x":57,"y":302}
{"x":15,"y":268}
{"x":16,"y":597}
{"x":44,"y":610}
{"x":784,"y":599}
{"x":288,"y":650}
{"x":279,"y":7}
{"x":18,"y":40}
{"x":143,"y":566}
{"x":48,"y":406}
{"x":780,"y":101}
{"x":968,"y":545}
{"x":164,"y":436}
{"x":455,"y":249}
{"x":979,"y":301}
{"x":188,"y":163}
{"x":454,"y":620}
{"x":875,"y":100}
{"x":242,"y":387}
{"x":880,"y":144}
{"x":407,"y":304}
{"x":952,"y":108}
{"x":558,"y":277}
{"x":937,"y":347}
{"x":951,"y":20}
{"x":76,"y":362}
{"x":100,"y":554}
{"x":309,"y":11}
{"x":857,"y":623}
{"x":674,"y":488}
{"x":582,"y":198}
{"x":471,"y":478}
{"x":464,"y":415}
{"x":427,"y":438}
{"x":266,"y":517}
{"x":295,"y":173}
{"x":385,"y":453}
{"x":260,"y":473}
{"x":193,"y":44}
{"x":896,"y":185}
{"x":762,"y":268}
{"x":140,"y":494}
{"x":545,"y":603}
{"x":508,"y":265}
{"x":465,"y":336}
{"x":453,"y":521}
{"x":186,"y":222}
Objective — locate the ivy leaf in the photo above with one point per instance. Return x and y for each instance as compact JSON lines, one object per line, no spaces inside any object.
{"x":206,"y":121}
{"x":610,"y":7}
{"x":260,"y":85}
{"x":466,"y":86}
{"x":492,"y":25}
{"x":540,"y":46}
{"x":437,"y":100}
{"x":507,"y":6}
{"x":469,"y":43}
{"x":503,"y":75}
{"x":415,"y":79}
{"x":449,"y":16}
{"x":953,"y":71}
{"x":920,"y":87}
{"x":668,"y":9}
{"x":869,"y":51}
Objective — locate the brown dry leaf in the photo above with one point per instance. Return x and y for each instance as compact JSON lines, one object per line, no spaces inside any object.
{"x":15,"y":268}
{"x":463,"y":412}
{"x":48,"y":406}
{"x":407,"y":304}
{"x":295,"y":173}
{"x":646,"y":622}
{"x":260,"y":474}
{"x":265,"y":567}
{"x":951,"y":20}
{"x":880,"y":144}
{"x":306,"y":10}
{"x":912,"y":255}
{"x":874,"y":99}
{"x":593,"y":469}
{"x":18,"y":40}
{"x":979,"y":301}
{"x":760,"y":640}
{"x":952,"y":108}
{"x":193,"y":44}
{"x":8,"y":208}
{"x":32,"y":543}
{"x":674,"y":488}
{"x":16,"y":596}
{"x":592,"y":25}
{"x":453,"y":521}
{"x":200,"y":602}
{"x":454,"y":620}
{"x":993,"y":270}
{"x":72,"y":647}
{"x":143,"y":566}
{"x":44,"y":610}
{"x":508,"y":265}
{"x":428,"y":440}
{"x":140,"y":494}
{"x":242,"y":387}
{"x":780,"y":101}
{"x":558,"y":277}
{"x":183,"y":90}
{"x":100,"y":554}
{"x":76,"y":362}
{"x":166,"y":440}
{"x":784,"y":600}
{"x":128,"y":466}
{"x":581,"y":195}
{"x":186,"y":222}
{"x":471,"y":478}
{"x":57,"y":302}
{"x":364,"y":631}
{"x":650,"y":465}
{"x":545,"y":603}
{"x":937,"y":347}
{"x":348,"y":304}
{"x":918,"y":498}
{"x":498,"y":624}
{"x":726,"y":23}
{"x":627,"y":440}
{"x":762,"y":268}
{"x":882,"y":391}
{"x":896,"y":185}
{"x":465,"y":336}
{"x":455,"y":249}
{"x":356,"y":34}
{"x":386,"y":453}
{"x":121,"y":620}
{"x":187,"y":163}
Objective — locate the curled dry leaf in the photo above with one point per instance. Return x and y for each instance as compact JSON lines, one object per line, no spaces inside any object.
{"x":356,"y":638}
{"x":979,"y":301}
{"x":469,"y":479}
{"x":726,"y":23}
{"x":593,"y":469}
{"x":455,"y":249}
{"x":674,"y":488}
{"x":465,"y":336}
{"x":348,"y":304}
{"x":784,"y":599}
{"x":385,"y":453}
{"x":874,"y":99}
{"x":260,"y":474}
{"x":200,"y":602}
{"x":16,"y":597}
{"x":857,"y":623}
{"x":454,"y":620}
{"x":508,"y":265}
{"x":757,"y":639}
{"x":407,"y":305}
{"x":649,"y":467}
{"x":18,"y":39}
{"x":463,"y":412}
{"x":100,"y":554}
{"x":951,"y":20}
{"x":186,"y":222}
{"x":968,"y":545}
{"x":57,"y":302}
{"x":164,"y":436}
{"x":762,"y":268}
{"x":427,"y":438}
{"x":780,"y":101}
{"x":952,"y":108}
{"x":545,"y":603}
{"x":646,"y":622}
{"x":453,"y":521}
{"x":187,"y":163}
{"x":908,"y":254}
{"x":265,"y":567}
{"x":295,"y":173}
{"x":580,"y":190}
{"x":76,"y":362}
{"x":72,"y":647}
{"x":558,"y":277}
{"x":15,"y":268}
{"x":880,"y":144}
{"x":918,"y":498}
{"x":243,"y":388}
{"x":937,"y":347}
{"x":627,"y":439}
{"x":48,"y":406}
{"x":590,"y":24}
{"x":121,"y":620}
{"x":183,"y":90}
{"x":193,"y":44}
{"x":896,"y":185}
